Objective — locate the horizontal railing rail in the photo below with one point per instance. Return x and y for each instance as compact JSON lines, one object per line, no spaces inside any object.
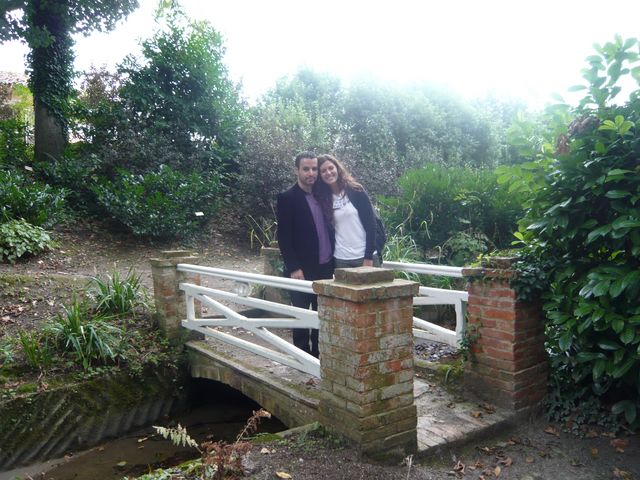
{"x":436,"y":296}
{"x":293,"y":317}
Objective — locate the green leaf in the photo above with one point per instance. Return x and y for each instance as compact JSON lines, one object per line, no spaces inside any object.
{"x":577,"y":88}
{"x":628,"y":335}
{"x":617,"y":287}
{"x":625,"y":222}
{"x":623,"y":368}
{"x":617,"y":325}
{"x":631,"y":279}
{"x":601,"y":288}
{"x":598,"y":368}
{"x":607,"y":344}
{"x":598,"y":232}
{"x":565,"y":340}
{"x":617,"y":194}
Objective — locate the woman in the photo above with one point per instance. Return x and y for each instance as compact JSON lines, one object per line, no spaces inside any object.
{"x":349,"y":210}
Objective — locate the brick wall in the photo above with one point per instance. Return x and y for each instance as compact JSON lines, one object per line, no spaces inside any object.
{"x":508,"y":363}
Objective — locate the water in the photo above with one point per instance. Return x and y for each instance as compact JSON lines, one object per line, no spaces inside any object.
{"x":218,"y":413}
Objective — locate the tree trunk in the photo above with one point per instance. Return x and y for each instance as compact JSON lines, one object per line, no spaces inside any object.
{"x":50,"y":138}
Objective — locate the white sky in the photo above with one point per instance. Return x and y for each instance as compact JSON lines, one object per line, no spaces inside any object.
{"x":513,"y":48}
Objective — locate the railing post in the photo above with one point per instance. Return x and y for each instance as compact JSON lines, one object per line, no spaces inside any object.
{"x":366,"y":359}
{"x":508,"y":363}
{"x":169,"y":299}
{"x":273,"y":266}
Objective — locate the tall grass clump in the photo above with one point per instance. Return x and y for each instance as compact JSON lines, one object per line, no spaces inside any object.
{"x":117,"y":295}
{"x":88,"y":340}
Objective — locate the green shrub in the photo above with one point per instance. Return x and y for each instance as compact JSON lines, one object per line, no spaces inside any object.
{"x":18,"y":238}
{"x":451,"y":200}
{"x":14,"y":149}
{"x":116,"y":295}
{"x":583,"y":219}
{"x":22,"y":197}
{"x":162,"y":204}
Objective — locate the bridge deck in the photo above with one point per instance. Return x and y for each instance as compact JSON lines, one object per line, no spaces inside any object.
{"x":445,"y":417}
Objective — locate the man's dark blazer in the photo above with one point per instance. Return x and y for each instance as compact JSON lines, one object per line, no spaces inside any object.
{"x":297,"y":236}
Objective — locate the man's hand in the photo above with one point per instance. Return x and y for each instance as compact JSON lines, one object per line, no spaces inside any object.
{"x":367,"y":262}
{"x":298,"y":274}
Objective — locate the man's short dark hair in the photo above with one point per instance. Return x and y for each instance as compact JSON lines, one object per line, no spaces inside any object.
{"x":302,"y":155}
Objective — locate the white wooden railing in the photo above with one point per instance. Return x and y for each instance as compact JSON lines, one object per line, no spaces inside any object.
{"x":294,"y":317}
{"x":436,"y":296}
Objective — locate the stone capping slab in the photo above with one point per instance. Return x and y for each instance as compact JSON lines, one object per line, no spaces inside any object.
{"x":363,"y":275}
{"x":495,"y":273}
{"x":173,"y":261}
{"x":366,"y":292}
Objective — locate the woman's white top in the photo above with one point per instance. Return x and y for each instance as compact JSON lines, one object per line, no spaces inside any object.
{"x":350,"y":235}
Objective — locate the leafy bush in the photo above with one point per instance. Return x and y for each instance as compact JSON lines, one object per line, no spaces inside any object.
{"x":18,"y":238}
{"x":14,"y":149}
{"x":21,"y":197}
{"x":583,"y":218}
{"x":118,"y":296}
{"x":160,"y":204}
{"x":451,"y":200}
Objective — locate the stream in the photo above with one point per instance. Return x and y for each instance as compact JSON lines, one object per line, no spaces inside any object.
{"x":218,"y":412}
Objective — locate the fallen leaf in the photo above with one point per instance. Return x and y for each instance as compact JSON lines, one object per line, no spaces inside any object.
{"x":529,"y":459}
{"x":459,"y":467}
{"x":100,"y":449}
{"x":476,"y":414}
{"x":591,"y":434}
{"x":487,"y":407}
{"x":619,"y":444}
{"x":507,"y":462}
{"x":617,"y":473}
{"x":121,"y":464}
{"x":265,"y":451}
{"x":311,"y":382}
{"x":497,"y":471}
{"x":594,"y":452}
{"x":283,"y":475}
{"x":551,"y":431}
{"x":143,"y":439}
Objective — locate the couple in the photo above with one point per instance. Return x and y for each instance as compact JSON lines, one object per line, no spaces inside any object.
{"x":323,"y":224}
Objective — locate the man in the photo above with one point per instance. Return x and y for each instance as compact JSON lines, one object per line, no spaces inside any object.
{"x":305,"y":242}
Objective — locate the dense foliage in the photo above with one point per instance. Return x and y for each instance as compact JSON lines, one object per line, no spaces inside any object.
{"x":462,"y":211}
{"x":161,"y":137}
{"x":19,"y":238}
{"x":583,"y":220}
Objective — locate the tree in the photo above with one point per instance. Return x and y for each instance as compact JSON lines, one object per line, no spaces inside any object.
{"x":47,"y":26}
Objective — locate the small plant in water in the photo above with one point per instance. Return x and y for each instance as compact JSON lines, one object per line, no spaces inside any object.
{"x":118,"y":296}
{"x":219,"y":459}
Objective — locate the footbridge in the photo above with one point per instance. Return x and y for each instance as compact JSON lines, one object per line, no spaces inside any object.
{"x":365,"y":386}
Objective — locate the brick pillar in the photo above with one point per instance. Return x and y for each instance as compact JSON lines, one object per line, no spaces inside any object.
{"x":366,"y":353}
{"x":507,"y":363}
{"x":169,"y":299}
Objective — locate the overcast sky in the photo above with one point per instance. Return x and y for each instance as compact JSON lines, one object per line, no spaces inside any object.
{"x":525,"y":49}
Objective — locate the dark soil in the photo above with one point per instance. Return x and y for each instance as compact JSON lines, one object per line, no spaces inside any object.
{"x":33,"y":290}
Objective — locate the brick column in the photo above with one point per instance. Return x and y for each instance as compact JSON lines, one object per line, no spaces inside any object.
{"x":507,"y":364}
{"x":366,"y":353}
{"x":169,"y":299}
